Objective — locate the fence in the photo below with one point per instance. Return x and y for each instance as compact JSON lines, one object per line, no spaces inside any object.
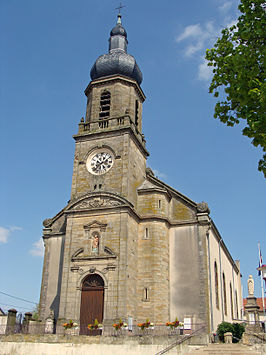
{"x":38,"y":328}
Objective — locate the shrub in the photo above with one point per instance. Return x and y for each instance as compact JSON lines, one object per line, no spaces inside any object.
{"x":222,"y":328}
{"x":236,"y":329}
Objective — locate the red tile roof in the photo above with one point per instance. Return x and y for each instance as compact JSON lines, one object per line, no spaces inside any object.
{"x":259,"y":303}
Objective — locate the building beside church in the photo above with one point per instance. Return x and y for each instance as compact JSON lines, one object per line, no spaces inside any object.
{"x":127,"y":244}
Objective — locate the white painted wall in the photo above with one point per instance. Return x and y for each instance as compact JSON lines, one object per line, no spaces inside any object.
{"x":224,"y":266}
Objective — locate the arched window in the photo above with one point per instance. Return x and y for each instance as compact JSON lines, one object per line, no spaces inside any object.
{"x":105,"y":104}
{"x":216,"y":285}
{"x":224,"y":290}
{"x":231,"y":301}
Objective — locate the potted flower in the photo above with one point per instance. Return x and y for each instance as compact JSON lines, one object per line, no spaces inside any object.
{"x":174,"y":324}
{"x":70,"y":327}
{"x":146,"y":325}
{"x":120,"y":324}
{"x":95,"y":326}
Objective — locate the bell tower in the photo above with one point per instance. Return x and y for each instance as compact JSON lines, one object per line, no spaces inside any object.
{"x":110,"y":150}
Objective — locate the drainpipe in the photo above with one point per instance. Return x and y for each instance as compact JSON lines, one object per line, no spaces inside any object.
{"x":210,"y":278}
{"x":221,"y":281}
{"x":234,"y":294}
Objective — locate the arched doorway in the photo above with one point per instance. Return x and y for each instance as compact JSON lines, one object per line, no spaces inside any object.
{"x":91,"y":307}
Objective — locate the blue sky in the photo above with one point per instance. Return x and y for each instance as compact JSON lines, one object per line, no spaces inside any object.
{"x":47,"y":50}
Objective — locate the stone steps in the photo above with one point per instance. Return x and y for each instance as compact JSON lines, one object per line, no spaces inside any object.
{"x":224,"y":349}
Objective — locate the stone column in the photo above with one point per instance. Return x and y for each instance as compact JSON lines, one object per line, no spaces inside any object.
{"x":11,"y":321}
{"x":252,"y":307}
{"x":252,"y":313}
{"x":27,"y":318}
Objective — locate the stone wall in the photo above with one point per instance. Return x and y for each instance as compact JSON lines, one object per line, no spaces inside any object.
{"x":3,"y":324}
{"x":83,"y":345}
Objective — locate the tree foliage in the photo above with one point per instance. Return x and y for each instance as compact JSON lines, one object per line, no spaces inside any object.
{"x":238,"y":61}
{"x":236,"y":329}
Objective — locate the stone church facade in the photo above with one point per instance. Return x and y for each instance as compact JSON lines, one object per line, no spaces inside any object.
{"x":127,"y":244}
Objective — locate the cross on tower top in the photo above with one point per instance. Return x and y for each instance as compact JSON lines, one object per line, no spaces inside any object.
{"x":119,"y":8}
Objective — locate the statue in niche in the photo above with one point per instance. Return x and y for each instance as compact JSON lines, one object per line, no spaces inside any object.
{"x":95,"y":244}
{"x":250,"y":286}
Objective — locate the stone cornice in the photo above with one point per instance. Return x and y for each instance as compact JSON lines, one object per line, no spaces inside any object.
{"x":115,"y":78}
{"x":85,"y":136}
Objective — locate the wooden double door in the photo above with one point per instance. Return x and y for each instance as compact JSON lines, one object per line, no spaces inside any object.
{"x":92,"y":303}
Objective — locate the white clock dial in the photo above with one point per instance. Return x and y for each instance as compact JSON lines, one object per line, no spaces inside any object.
{"x":100,"y":163}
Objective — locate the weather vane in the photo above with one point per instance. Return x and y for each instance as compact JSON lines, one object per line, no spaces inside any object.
{"x":119,"y":8}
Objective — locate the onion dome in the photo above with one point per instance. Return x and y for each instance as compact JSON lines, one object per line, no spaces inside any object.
{"x":118,"y":29}
{"x":117,"y":61}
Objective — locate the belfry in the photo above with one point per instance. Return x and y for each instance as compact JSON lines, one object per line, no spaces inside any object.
{"x":127,"y":244}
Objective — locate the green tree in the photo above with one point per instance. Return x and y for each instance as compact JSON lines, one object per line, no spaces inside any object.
{"x":238,"y":61}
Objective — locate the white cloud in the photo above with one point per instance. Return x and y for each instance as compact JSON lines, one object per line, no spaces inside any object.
{"x":197,"y":37}
{"x":204,"y":72}
{"x":193,"y":48}
{"x":5,"y":233}
{"x":37,"y":248}
{"x":158,"y":174}
{"x":193,"y":31}
{"x":225,"y":6}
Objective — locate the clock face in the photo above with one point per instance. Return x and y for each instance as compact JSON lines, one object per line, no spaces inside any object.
{"x":99,"y":163}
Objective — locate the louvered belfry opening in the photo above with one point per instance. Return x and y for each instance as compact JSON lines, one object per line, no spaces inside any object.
{"x":92,"y":302}
{"x":105,"y":105}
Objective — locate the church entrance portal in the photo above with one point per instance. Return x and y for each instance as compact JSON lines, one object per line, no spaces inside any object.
{"x":91,"y":307}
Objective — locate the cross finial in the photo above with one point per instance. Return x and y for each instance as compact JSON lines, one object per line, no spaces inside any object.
{"x":119,"y":8}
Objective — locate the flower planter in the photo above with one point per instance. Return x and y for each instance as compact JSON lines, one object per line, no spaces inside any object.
{"x":71,"y":331}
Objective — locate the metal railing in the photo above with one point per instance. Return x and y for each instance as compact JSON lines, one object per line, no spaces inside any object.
{"x":198,"y":331}
{"x":39,"y":328}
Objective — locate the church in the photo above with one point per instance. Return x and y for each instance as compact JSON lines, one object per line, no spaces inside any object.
{"x":127,"y":245}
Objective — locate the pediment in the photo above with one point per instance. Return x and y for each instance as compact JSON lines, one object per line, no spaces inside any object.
{"x":95,"y":225}
{"x":97,"y":201}
{"x":150,"y":187}
{"x":80,"y":254}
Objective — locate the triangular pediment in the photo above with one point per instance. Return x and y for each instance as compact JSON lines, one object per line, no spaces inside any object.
{"x":95,"y":225}
{"x":148,"y":185}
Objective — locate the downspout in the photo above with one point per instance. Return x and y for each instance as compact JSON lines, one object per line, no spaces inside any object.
{"x":234,"y":295}
{"x":221,"y":282}
{"x":210,"y":278}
